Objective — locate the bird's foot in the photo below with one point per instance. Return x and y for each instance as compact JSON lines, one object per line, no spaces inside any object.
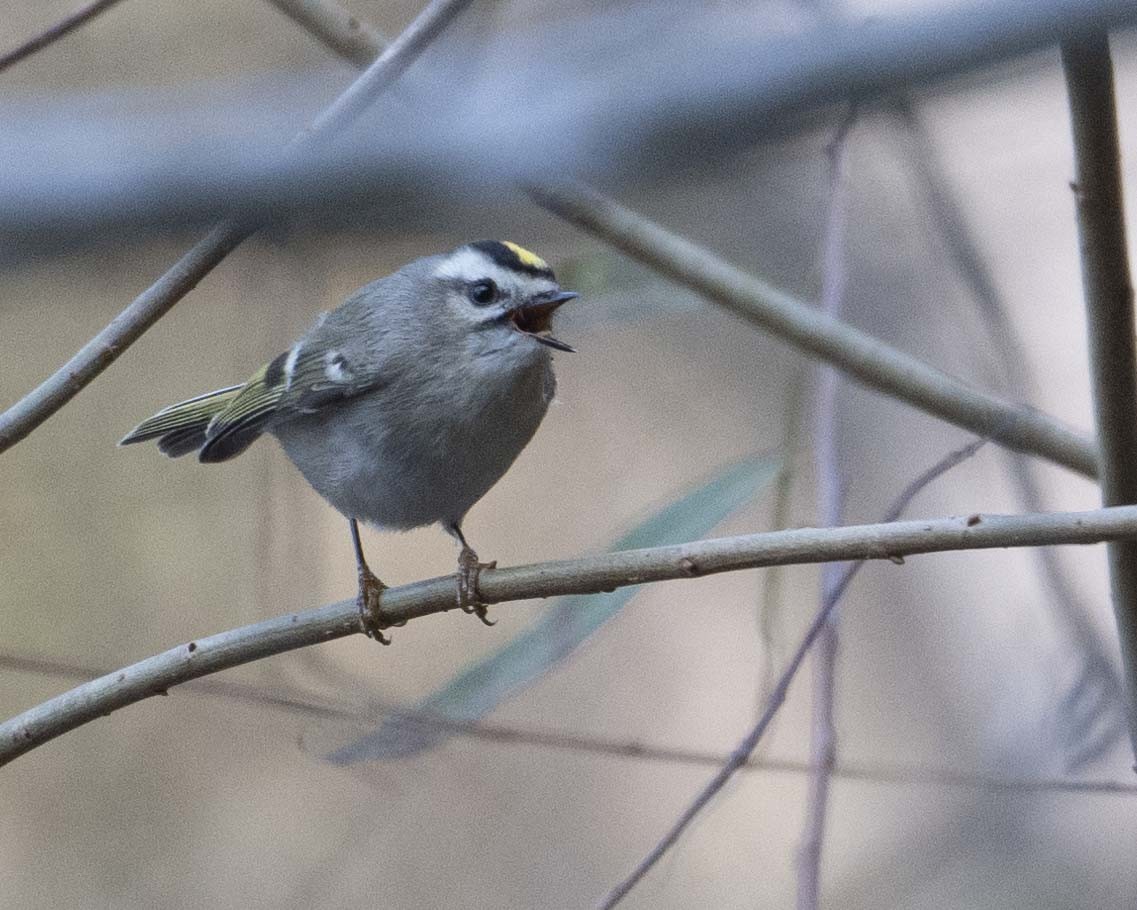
{"x":370,"y":619}
{"x":469,"y":569}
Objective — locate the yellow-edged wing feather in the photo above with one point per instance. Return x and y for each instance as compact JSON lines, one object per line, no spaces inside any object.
{"x":180,"y":428}
{"x":234,"y":429}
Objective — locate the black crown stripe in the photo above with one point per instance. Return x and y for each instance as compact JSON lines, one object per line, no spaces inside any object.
{"x":506,"y":258}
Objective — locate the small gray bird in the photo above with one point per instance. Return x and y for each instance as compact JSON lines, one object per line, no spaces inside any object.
{"x":404,"y":405}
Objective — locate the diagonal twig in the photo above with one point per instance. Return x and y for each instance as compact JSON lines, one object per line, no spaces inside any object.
{"x":54,"y":33}
{"x":749,"y":743}
{"x":301,"y":704}
{"x":126,"y":328}
{"x":350,"y":37}
{"x":1109,"y":309}
{"x":865,"y":358}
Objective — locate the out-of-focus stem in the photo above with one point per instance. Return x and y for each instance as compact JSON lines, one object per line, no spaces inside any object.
{"x":1109,"y":311}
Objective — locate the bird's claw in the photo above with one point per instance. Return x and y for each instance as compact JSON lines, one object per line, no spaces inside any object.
{"x":370,"y":619}
{"x":469,"y":601}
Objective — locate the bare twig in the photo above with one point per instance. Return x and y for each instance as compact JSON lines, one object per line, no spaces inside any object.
{"x":866,"y":359}
{"x":1109,"y":308}
{"x":823,"y":732}
{"x":99,"y":353}
{"x":892,"y":541}
{"x":350,"y":37}
{"x":743,"y":751}
{"x":301,"y":704}
{"x":387,"y":67}
{"x":54,"y":33}
{"x":126,"y":328}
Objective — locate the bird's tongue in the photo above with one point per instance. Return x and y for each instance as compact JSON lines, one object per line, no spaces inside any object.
{"x":534,"y":320}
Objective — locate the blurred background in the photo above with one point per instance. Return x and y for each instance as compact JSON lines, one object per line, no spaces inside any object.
{"x":955,"y":672}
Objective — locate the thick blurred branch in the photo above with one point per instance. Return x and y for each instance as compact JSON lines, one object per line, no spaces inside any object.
{"x":892,"y":541}
{"x":866,"y":359}
{"x":653,"y":107}
{"x":99,"y":353}
{"x":1109,"y":309}
{"x":54,"y":33}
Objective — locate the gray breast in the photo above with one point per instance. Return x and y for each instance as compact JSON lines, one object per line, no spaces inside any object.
{"x":401,"y":456}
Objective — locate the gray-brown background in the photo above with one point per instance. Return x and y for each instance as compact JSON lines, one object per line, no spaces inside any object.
{"x":952,"y":661}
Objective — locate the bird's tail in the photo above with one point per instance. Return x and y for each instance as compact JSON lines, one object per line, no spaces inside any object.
{"x":181,"y":428}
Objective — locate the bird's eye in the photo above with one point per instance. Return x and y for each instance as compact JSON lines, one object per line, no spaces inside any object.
{"x":483,"y":292}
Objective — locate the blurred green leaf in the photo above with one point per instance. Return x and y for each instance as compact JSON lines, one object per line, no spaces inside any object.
{"x":566,"y":624}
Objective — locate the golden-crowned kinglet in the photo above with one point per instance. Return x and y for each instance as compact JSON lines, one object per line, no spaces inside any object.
{"x":404,"y":405}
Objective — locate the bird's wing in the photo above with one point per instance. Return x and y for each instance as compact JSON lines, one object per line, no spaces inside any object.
{"x":302,"y":380}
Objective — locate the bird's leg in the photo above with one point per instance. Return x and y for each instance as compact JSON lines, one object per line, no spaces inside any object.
{"x":468,"y":571}
{"x":370,"y":591}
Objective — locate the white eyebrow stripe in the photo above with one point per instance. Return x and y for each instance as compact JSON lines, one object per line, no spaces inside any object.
{"x":471,"y":265}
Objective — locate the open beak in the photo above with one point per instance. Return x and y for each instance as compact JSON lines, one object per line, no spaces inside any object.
{"x":532,"y":318}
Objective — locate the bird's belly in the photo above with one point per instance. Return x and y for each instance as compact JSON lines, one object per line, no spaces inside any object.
{"x":401,"y":473}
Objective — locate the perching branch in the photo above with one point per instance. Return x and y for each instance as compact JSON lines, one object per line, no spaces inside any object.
{"x":742,"y":752}
{"x":1109,"y":310}
{"x":587,"y":575}
{"x":863,"y":357}
{"x":126,"y":328}
{"x":54,"y":33}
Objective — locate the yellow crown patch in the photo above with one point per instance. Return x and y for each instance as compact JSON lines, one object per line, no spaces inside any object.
{"x":532,"y":260}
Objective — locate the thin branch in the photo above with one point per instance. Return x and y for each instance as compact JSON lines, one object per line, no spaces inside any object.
{"x":127,"y":327}
{"x":863,"y":357}
{"x":831,"y":495}
{"x":354,"y":40}
{"x":387,"y":67}
{"x":301,"y":704}
{"x":587,"y":575}
{"x":99,"y":353}
{"x":1109,"y":310}
{"x":743,"y":751}
{"x":54,"y":33}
